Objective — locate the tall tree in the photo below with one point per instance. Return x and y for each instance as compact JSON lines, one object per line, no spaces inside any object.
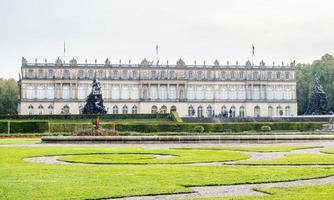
{"x":8,"y":96}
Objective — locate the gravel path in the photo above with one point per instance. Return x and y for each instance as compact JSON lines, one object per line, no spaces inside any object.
{"x":233,"y":190}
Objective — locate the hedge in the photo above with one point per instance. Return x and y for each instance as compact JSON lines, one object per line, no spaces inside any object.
{"x":69,"y":127}
{"x":83,"y":116}
{"x":24,"y":126}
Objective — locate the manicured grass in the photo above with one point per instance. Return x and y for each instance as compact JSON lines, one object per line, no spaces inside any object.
{"x":330,"y":151}
{"x":320,"y":192}
{"x":257,"y":148}
{"x":20,"y":140}
{"x":24,"y":180}
{"x":297,"y":159}
{"x":146,"y":157}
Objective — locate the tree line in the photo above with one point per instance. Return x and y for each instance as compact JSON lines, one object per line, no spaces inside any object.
{"x":305,"y":73}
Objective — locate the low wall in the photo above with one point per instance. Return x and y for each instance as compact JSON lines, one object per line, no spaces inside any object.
{"x":184,"y":139}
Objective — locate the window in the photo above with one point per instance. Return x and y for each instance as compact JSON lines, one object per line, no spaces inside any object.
{"x":209,"y":93}
{"x":222,"y":75}
{"x":287,"y":94}
{"x":241,"y":75}
{"x":125,"y":74}
{"x":125,"y":92}
{"x":279,"y":111}
{"x":172,"y":92}
{"x":190,"y":75}
{"x":134,"y":74}
{"x":256,"y":93}
{"x":199,"y":75}
{"x":153,"y":92}
{"x":51,"y":73}
{"x":40,"y":110}
{"x":163,"y":75}
{"x":50,"y":109}
{"x":115,"y":74}
{"x":65,"y":110}
{"x":154,"y":110}
{"x":190,"y":93}
{"x":232,"y":111}
{"x":191,"y":111}
{"x":134,"y":109}
{"x":30,"y":92}
{"x":199,"y":93}
{"x":173,"y":108}
{"x":145,"y":92}
{"x":224,"y":111}
{"x":66,"y":92}
{"x":242,"y":111}
{"x":115,"y":92}
{"x":50,"y":92}
{"x":31,"y":73}
{"x":209,"y":111}
{"x":270,"y":111}
{"x":81,"y":93}
{"x":163,"y":92}
{"x":125,"y":110}
{"x":209,"y":75}
{"x":278,"y":75}
{"x":269,"y":75}
{"x":255,"y":75}
{"x":153,"y":74}
{"x":30,"y":109}
{"x":270,"y":94}
{"x":101,"y":74}
{"x":242,"y":93}
{"x":200,"y":111}
{"x":257,"y":111}
{"x":223,"y":93}
{"x":287,"y":111}
{"x":80,"y":74}
{"x":278,"y":93}
{"x":163,"y":109}
{"x":66,"y":74}
{"x":232,"y":75}
{"x":172,"y":75}
{"x":40,"y":74}
{"x":91,"y":74}
{"x":287,"y":75}
{"x":40,"y":92}
{"x":114,"y":109}
{"x":135,"y":92}
{"x":232,"y":93}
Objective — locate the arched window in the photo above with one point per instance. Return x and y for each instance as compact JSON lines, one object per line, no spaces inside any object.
{"x":134,"y":109}
{"x":270,"y":94}
{"x":30,"y":109}
{"x":199,"y":92}
{"x":154,"y":109}
{"x":279,"y":111}
{"x":270,"y":111}
{"x":114,"y":109}
{"x":163,"y":109}
{"x":200,"y":111}
{"x":223,"y":93}
{"x":51,"y":73}
{"x":224,"y":112}
{"x":287,"y":111}
{"x":125,"y":110}
{"x":81,"y":74}
{"x":66,"y":74}
{"x":242,"y":111}
{"x":232,"y":111}
{"x":65,"y":110}
{"x":50,"y":109}
{"x":173,"y":108}
{"x":257,"y":111}
{"x":191,"y":111}
{"x":181,"y":93}
{"x":232,"y":93}
{"x":209,"y":111}
{"x":66,"y":92}
{"x":40,"y":110}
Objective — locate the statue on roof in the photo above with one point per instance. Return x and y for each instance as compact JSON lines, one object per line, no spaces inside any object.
{"x":180,"y":62}
{"x":24,"y":61}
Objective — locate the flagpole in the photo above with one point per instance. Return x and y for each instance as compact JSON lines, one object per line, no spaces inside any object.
{"x":64,"y":51}
{"x":253,"y":50}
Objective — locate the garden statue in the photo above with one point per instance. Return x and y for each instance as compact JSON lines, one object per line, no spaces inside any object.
{"x":318,"y":104}
{"x":94,"y":102}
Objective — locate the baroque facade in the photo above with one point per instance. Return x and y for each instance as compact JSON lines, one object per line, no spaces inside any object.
{"x":197,"y":90}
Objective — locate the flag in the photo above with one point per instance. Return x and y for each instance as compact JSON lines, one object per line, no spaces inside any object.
{"x":253,"y":49}
{"x":157,"y":50}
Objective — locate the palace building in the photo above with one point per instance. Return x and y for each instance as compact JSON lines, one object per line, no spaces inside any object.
{"x":197,"y":90}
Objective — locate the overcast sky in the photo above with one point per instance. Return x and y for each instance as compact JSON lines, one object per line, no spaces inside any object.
{"x":281,"y":30}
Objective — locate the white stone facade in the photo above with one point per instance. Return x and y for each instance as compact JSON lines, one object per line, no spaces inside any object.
{"x":193,"y":90}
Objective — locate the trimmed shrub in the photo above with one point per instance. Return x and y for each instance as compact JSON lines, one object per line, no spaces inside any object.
{"x":29,"y":126}
{"x":199,"y":129}
{"x":3,"y":126}
{"x":265,"y":128}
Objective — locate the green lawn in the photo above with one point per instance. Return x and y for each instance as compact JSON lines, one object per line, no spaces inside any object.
{"x":321,"y":192}
{"x":20,"y":140}
{"x":24,"y":180}
{"x":257,"y":148}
